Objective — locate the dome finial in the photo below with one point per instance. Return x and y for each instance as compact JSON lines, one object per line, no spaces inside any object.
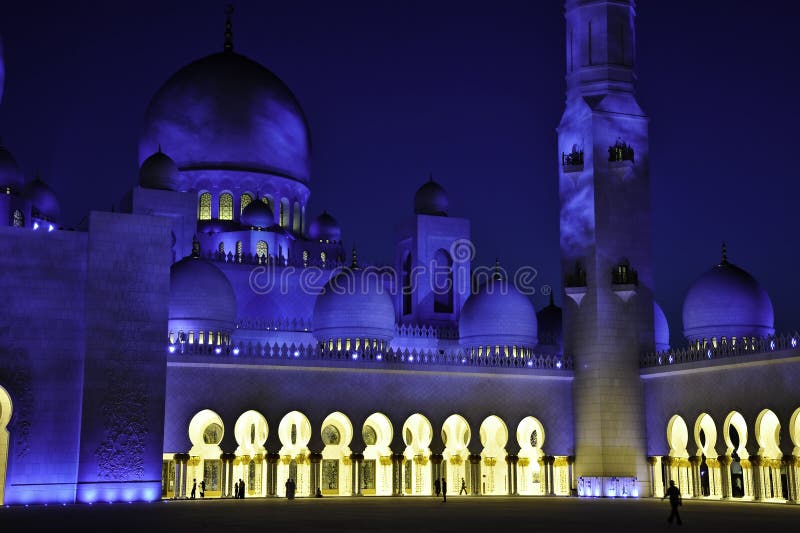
{"x":195,"y":247}
{"x":497,"y":275}
{"x":159,"y":149}
{"x":228,"y":29}
{"x":724,"y":254}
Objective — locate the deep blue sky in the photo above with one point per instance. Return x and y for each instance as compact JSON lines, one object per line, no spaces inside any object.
{"x":471,"y":91}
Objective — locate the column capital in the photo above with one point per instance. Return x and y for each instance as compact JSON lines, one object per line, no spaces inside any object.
{"x":695,"y":460}
{"x":755,"y":460}
{"x":227,"y":456}
{"x":474,"y":458}
{"x":399,"y":457}
{"x":512,"y":458}
{"x":652,"y":460}
{"x":315,"y":457}
{"x":725,"y":460}
{"x":356,"y":456}
{"x":436,"y":458}
{"x":273,"y":458}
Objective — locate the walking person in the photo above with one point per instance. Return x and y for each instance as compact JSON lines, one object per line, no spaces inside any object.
{"x":463,"y":487}
{"x":194,"y":488}
{"x":437,"y":487}
{"x":675,"y":501}
{"x":444,"y":490}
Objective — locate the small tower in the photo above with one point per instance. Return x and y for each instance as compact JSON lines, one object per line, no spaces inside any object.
{"x":432,"y":256}
{"x":604,"y":188}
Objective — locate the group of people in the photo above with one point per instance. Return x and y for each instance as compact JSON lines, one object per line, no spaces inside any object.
{"x":238,"y":489}
{"x":441,"y":487}
{"x":291,"y":487}
{"x":202,"y":488}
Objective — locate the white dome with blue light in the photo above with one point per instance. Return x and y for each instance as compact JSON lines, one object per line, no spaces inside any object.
{"x":498,"y":315}
{"x":257,"y":214}
{"x":660,"y":328}
{"x":353,"y":305}
{"x":200,"y":297}
{"x":727,"y":302}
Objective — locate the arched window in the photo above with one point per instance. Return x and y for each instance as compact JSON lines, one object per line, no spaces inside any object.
{"x":407,"y":289}
{"x":19,"y":219}
{"x":284,"y":213}
{"x":305,"y":257}
{"x":226,"y":206}
{"x":442,"y":282}
{"x":204,"y":207}
{"x":296,"y":220}
{"x":244,"y":201}
{"x":221,"y":248}
{"x":262,"y":250}
{"x":239,"y":251}
{"x":323,"y":257}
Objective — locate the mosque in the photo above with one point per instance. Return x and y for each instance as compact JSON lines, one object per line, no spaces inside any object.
{"x":216,"y":330}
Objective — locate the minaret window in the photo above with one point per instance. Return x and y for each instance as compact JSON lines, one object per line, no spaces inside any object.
{"x":305,"y":258}
{"x":284,"y":212}
{"x":262,"y":250}
{"x":323,"y":257}
{"x":442,"y":282}
{"x":296,"y":220}
{"x":239,"y":251}
{"x":245,"y":201}
{"x":573,"y":158}
{"x":407,"y":288}
{"x":221,"y":249}
{"x":576,"y":278}
{"x":620,"y":151}
{"x":19,"y":219}
{"x":623,"y":274}
{"x":226,"y":206}
{"x":204,"y":207}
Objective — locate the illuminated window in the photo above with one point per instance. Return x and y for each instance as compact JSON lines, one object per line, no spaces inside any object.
{"x":267,"y":200}
{"x":284,"y":213}
{"x":200,"y":339}
{"x":204,"y":208}
{"x":245,"y":201}
{"x":305,"y":257}
{"x":226,"y":206}
{"x":191,"y":337}
{"x":323,"y":257}
{"x":222,"y":248}
{"x":296,"y":221}
{"x":262,"y":249}
{"x":239,"y":250}
{"x":19,"y":219}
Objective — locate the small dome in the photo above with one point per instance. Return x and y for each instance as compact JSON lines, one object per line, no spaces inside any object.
{"x":549,"y":321}
{"x":200,"y":297}
{"x":353,"y":305}
{"x":325,"y":228}
{"x":727,"y":302}
{"x":498,"y":314}
{"x":431,"y":199}
{"x":43,"y":199}
{"x":159,"y":172}
{"x":10,"y":176}
{"x":257,"y":214}
{"x":661,"y":328}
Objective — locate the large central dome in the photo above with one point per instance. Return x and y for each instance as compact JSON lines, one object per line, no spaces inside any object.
{"x":227,"y":112}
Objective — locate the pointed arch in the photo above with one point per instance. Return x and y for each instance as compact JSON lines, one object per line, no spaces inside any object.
{"x":494,"y":437}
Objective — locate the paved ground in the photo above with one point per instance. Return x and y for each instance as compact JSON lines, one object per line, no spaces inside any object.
{"x":490,"y":514}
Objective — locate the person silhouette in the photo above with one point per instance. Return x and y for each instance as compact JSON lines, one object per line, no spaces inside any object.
{"x":444,"y":490}
{"x":236,"y":490}
{"x":194,"y":488}
{"x":437,"y":487}
{"x":288,"y":486}
{"x":675,"y":501}
{"x":241,"y":488}
{"x":463,"y":487}
{"x":202,"y":488}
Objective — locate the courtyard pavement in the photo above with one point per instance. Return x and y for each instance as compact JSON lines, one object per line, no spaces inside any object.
{"x":418,"y":514}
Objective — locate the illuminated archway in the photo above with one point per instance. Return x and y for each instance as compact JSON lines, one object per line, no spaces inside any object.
{"x":294,"y":432}
{"x":456,"y":435}
{"x":417,"y":435}
{"x":206,"y":430}
{"x":337,"y":434}
{"x":251,"y":432}
{"x":794,"y":431}
{"x":494,"y":437}
{"x":530,"y":437}
{"x":734,"y":434}
{"x":767,"y":474}
{"x":678,"y":467}
{"x":705,"y":437}
{"x":6,"y":408}
{"x":378,"y":433}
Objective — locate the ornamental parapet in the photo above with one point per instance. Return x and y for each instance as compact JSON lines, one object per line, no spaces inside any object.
{"x":416,"y":359}
{"x":788,"y":344}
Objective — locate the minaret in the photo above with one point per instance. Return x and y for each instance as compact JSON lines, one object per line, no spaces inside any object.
{"x":604,"y":190}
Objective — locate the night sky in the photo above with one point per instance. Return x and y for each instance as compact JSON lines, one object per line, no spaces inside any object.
{"x":470,"y":91}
